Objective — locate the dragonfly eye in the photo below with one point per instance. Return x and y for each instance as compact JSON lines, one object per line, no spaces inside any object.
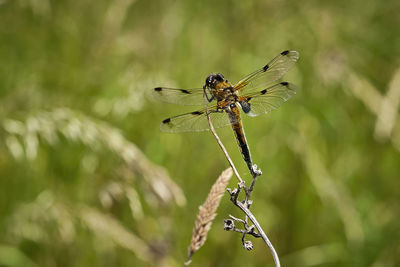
{"x":209,"y":80}
{"x":219,"y":77}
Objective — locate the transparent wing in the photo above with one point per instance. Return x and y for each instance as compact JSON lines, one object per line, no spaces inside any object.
{"x":178,"y":96}
{"x":195,"y":121}
{"x":264,"y":101}
{"x":271,"y":72}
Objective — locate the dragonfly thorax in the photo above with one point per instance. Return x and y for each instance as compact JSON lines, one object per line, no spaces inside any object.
{"x":220,"y":88}
{"x":230,"y":98}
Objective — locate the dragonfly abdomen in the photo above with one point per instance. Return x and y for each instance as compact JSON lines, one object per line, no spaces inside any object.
{"x":236,"y":122}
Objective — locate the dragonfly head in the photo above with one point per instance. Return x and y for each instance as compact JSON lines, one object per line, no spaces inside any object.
{"x":213,"y":79}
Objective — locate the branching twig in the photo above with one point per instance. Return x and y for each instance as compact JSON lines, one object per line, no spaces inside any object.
{"x":245,"y":205}
{"x":260,"y":230}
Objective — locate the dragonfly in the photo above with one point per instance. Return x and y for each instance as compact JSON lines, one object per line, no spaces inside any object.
{"x":256,"y":94}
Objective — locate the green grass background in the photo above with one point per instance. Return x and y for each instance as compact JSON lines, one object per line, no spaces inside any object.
{"x":81,"y":155}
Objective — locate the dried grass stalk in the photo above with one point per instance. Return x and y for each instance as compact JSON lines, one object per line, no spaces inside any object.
{"x":207,"y":213}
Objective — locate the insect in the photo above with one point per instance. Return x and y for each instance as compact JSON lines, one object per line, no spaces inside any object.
{"x":255,"y":94}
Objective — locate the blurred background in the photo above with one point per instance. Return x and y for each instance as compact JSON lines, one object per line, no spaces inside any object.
{"x":87,"y":178}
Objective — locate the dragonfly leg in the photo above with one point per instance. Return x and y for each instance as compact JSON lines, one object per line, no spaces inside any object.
{"x":209,"y":99}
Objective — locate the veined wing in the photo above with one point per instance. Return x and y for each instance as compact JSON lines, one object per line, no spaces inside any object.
{"x":271,"y":72}
{"x":195,"y":121}
{"x":179,"y":96}
{"x":266,"y":100}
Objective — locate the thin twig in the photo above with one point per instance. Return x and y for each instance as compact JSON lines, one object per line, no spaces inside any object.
{"x":250,"y":189}
{"x":248,"y":231}
{"x":237,"y":219}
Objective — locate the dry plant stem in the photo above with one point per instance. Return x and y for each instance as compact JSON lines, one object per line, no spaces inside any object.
{"x":255,"y":174}
{"x":248,"y":231}
{"x":235,"y":193}
{"x":260,"y":231}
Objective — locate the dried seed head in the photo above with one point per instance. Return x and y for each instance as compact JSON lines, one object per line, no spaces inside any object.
{"x":229,"y":224}
{"x":207,"y":212}
{"x":248,"y":245}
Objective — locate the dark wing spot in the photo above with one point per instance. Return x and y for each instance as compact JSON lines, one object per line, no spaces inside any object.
{"x":158,"y":89}
{"x":245,"y":106}
{"x":185,"y":91}
{"x":265,"y":67}
{"x":285,"y":52}
{"x":285,"y":83}
{"x":197,"y":113}
{"x":168,"y":120}
{"x":263,"y":91}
